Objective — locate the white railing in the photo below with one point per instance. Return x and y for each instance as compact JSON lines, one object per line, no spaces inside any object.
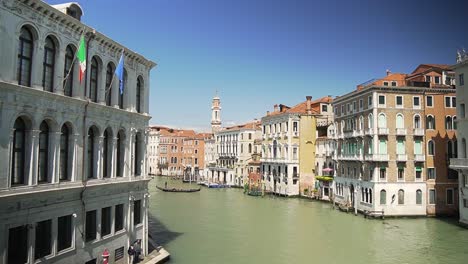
{"x":369,"y":131}
{"x":402,"y":157}
{"x":383,"y":131}
{"x":401,"y":131}
{"x":418,"y":132}
{"x":419,"y":157}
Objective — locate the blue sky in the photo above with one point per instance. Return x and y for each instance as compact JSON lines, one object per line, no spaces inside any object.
{"x":259,"y":53}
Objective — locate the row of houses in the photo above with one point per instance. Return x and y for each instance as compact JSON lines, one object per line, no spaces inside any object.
{"x":386,"y":146}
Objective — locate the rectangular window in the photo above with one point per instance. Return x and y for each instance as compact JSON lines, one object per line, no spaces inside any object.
{"x":64,"y":232}
{"x":401,"y":173}
{"x":465,"y":203}
{"x":369,"y":100}
{"x":418,"y":173}
{"x":342,"y":110}
{"x":43,"y":245}
{"x":394,"y":83}
{"x":431,"y":174}
{"x":137,"y":212}
{"x":348,"y":108}
{"x":354,"y":106}
{"x":399,"y":101}
{"x":106,"y":221}
{"x":461,"y":79}
{"x":429,"y":101}
{"x":90,"y":226}
{"x":432,"y":196}
{"x":360,"y":104}
{"x":416,"y":103}
{"x":385,"y":83}
{"x":449,"y":196}
{"x":428,"y":78}
{"x":18,"y":244}
{"x":462,"y":110}
{"x":447,"y":101}
{"x":324,"y":108}
{"x":436,"y":79}
{"x":383,"y":173}
{"x":381,"y":99}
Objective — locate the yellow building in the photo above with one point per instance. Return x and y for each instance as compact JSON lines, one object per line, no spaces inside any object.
{"x":288,"y":147}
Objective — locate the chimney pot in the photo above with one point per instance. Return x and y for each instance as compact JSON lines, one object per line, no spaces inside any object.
{"x":268,"y":113}
{"x":309,"y":98}
{"x":388,"y":72}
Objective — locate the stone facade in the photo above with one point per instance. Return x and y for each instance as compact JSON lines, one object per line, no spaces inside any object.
{"x":153,"y":151}
{"x":74,"y":178}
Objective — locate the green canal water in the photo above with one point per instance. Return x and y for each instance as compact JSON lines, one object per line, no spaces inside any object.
{"x":226,"y":226}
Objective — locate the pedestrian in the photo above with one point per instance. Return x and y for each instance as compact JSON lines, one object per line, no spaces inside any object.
{"x":165,"y":185}
{"x":137,"y":250}
{"x":131,"y":253}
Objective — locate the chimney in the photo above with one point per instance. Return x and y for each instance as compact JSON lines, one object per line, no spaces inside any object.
{"x":268,"y":113}
{"x":275,"y":108}
{"x":309,"y":110}
{"x":388,"y":72}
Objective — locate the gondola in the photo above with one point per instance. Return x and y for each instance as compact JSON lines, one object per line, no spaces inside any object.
{"x":178,"y":190}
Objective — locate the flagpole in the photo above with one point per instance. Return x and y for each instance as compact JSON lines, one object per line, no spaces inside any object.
{"x":65,"y":79}
{"x":112,"y":81}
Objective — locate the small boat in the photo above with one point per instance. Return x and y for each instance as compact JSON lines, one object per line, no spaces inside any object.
{"x":178,"y":190}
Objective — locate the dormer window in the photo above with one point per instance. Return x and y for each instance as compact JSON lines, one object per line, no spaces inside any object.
{"x":324,"y":108}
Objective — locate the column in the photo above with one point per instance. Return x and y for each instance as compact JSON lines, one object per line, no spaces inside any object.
{"x":128,"y":156}
{"x":34,"y":156}
{"x":74,"y":153}
{"x":54,"y":162}
{"x":58,"y":71}
{"x":37,"y":65}
{"x":99,"y":158}
{"x":101,"y":92}
{"x":114,"y":162}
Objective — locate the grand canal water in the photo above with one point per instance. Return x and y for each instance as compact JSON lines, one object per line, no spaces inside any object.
{"x":226,"y":226}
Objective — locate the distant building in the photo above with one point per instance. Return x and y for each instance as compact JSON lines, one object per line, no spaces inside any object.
{"x":288,"y":148}
{"x":73,"y":179}
{"x":461,"y":162}
{"x":395,"y":137}
{"x":153,"y":150}
{"x":234,"y":148}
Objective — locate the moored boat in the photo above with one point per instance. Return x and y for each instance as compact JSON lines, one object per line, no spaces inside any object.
{"x":178,"y":190}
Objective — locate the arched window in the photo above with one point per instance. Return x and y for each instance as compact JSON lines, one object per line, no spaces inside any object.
{"x":370,"y":196}
{"x":250,"y":148}
{"x":25,"y":54}
{"x":400,"y":123}
{"x":361,"y":123}
{"x":430,"y":122}
{"x":418,"y":197}
{"x":136,"y":155}
{"x":48,"y":65}
{"x":275,"y":146}
{"x":138,"y":94}
{"x":401,"y":197}
{"x":370,"y":121}
{"x":18,"y":158}
{"x":92,"y":134}
{"x":43,"y":162}
{"x":417,"y":121}
{"x":430,"y":147}
{"x":106,"y":153}
{"x":109,"y":77}
{"x":64,"y":153}
{"x":448,"y":122}
{"x":454,"y":120}
{"x":383,"y":197}
{"x":68,"y":70}
{"x":382,"y":121}
{"x":93,"y":84}
{"x":120,"y":154}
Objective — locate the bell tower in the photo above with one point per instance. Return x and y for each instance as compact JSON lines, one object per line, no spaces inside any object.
{"x":215,"y":114}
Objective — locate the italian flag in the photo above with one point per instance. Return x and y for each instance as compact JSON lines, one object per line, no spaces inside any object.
{"x":81,"y":54}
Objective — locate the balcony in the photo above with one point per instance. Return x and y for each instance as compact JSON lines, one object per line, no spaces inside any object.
{"x":369,"y":132}
{"x":350,"y":157}
{"x":295,"y":176}
{"x":358,"y":133}
{"x":383,"y":131}
{"x":418,"y":132}
{"x":348,"y":134}
{"x":401,"y":157}
{"x":419,"y":158}
{"x":459,"y":164}
{"x":401,"y":131}
{"x":377,"y":157}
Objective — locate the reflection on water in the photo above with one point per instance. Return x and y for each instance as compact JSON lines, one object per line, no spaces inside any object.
{"x":226,"y":226}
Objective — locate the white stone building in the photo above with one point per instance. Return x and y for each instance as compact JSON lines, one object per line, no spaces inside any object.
{"x":461,"y":163}
{"x":234,"y":148}
{"x":210,"y":156}
{"x":73,"y":181}
{"x":153,"y":150}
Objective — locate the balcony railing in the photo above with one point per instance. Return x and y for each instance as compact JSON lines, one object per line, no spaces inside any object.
{"x":383,"y":131}
{"x":377,"y":157}
{"x":418,"y":132}
{"x":358,"y":133}
{"x":401,"y":157}
{"x":369,"y":132}
{"x":401,"y":131}
{"x":348,"y":134}
{"x":419,"y":157}
{"x":458,"y":163}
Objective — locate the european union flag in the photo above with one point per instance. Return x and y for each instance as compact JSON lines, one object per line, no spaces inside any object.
{"x":119,"y":71}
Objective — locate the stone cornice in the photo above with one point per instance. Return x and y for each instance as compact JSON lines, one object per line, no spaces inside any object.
{"x":42,"y":10}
